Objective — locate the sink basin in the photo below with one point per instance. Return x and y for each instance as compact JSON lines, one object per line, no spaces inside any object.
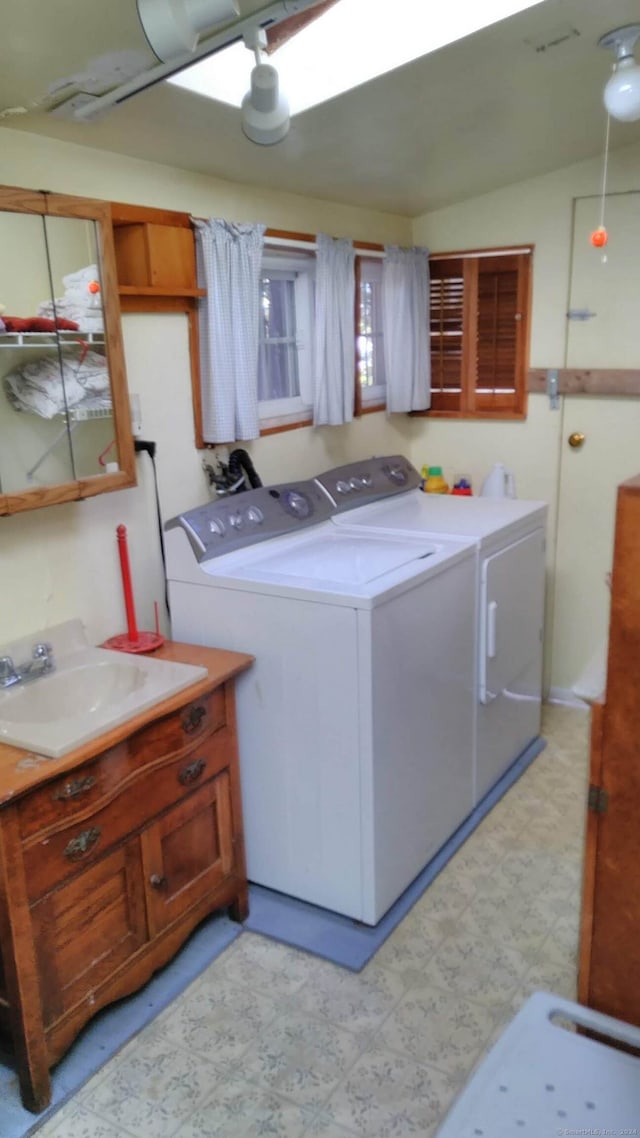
{"x":63,"y":695}
{"x":91,"y":691}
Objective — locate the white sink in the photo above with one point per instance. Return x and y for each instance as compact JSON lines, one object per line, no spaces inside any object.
{"x":91,"y":691}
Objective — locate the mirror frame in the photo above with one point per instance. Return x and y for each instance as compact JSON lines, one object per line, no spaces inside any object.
{"x":16,"y":200}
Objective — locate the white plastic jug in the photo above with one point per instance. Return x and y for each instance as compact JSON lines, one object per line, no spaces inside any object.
{"x":499,"y":483}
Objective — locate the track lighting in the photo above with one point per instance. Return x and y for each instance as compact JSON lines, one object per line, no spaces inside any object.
{"x":173,"y":27}
{"x":265,"y":110}
{"x":622,"y":92}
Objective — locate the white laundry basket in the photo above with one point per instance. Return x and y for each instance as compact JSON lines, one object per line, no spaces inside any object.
{"x":541,"y":1080}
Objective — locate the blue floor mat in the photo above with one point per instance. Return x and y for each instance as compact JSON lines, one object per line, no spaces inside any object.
{"x":342,"y":940}
{"x":325,"y":934}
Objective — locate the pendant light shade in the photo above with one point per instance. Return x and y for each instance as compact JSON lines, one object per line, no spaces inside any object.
{"x":622,"y":92}
{"x":265,"y":111}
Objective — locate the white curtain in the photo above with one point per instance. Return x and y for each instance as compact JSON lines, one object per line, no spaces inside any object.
{"x":334,"y":347}
{"x":405,"y":305}
{"x":229,"y":260}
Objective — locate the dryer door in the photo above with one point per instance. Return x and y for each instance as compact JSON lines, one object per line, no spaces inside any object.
{"x":511,"y":613}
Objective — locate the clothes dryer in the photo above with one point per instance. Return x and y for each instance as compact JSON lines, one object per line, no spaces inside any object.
{"x":509,"y":538}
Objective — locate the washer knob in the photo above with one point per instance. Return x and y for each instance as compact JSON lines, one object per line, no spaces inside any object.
{"x":343,"y":487}
{"x":254,"y":515}
{"x":216,"y":526}
{"x":356,"y":483}
{"x":236,"y":521}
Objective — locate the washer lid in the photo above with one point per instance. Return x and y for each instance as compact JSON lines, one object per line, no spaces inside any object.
{"x":347,"y":559}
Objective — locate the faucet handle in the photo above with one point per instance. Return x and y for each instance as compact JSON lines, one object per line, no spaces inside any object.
{"x":42,"y":651}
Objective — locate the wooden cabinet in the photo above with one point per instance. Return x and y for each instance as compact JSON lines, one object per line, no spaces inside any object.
{"x":110,"y":856}
{"x":609,"y":970}
{"x":155,"y":256}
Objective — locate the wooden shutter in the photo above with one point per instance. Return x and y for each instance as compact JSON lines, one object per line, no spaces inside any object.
{"x":479,"y":327}
{"x":498,"y":380}
{"x":446,"y":321}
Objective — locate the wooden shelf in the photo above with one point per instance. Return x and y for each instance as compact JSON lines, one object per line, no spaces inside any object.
{"x":147,"y":290}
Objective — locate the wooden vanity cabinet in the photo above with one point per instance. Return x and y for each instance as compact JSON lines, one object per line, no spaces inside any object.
{"x":609,"y":963}
{"x":107,"y":866}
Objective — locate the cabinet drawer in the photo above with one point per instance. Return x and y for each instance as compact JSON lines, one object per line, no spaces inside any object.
{"x":94,"y":784}
{"x":58,"y":856}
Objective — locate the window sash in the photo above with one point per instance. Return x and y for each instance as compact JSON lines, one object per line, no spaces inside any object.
{"x":284,"y":367}
{"x":370,"y":362}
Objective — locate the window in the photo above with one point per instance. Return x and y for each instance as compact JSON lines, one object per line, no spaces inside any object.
{"x":284,"y":362}
{"x":479,"y":326}
{"x":369,"y":332}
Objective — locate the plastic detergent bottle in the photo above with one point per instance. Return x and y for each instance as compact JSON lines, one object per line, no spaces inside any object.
{"x":435,"y":483}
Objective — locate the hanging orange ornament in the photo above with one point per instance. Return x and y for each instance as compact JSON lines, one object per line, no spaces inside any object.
{"x":599,"y":237}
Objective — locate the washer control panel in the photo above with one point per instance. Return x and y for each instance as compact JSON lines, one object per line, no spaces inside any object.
{"x":360,"y":482}
{"x":243,"y":519}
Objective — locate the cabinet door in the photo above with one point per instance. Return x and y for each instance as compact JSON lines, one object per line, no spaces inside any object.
{"x":86,"y":929}
{"x":188,"y":852}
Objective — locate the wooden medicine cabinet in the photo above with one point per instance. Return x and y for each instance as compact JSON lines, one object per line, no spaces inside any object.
{"x":65,"y":420}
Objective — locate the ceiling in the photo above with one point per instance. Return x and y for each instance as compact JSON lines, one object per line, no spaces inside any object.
{"x":487,"y":111}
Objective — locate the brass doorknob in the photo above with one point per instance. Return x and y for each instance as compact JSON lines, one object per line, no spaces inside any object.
{"x":576,"y":439}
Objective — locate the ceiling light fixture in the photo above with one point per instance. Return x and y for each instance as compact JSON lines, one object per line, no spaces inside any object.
{"x":622,"y":92}
{"x":265,"y":110}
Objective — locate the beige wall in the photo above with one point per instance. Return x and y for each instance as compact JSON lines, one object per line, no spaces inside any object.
{"x":540,"y":212}
{"x":62,"y":562}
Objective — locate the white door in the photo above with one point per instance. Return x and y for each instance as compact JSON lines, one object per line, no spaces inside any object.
{"x":610,"y":451}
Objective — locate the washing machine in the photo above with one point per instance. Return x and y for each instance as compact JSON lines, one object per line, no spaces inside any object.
{"x":356,"y":721}
{"x":509,"y":538}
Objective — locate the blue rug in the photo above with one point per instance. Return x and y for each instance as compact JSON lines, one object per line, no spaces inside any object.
{"x":342,"y":940}
{"x":325,"y":934}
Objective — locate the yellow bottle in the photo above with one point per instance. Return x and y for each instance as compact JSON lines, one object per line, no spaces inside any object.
{"x":435,"y":483}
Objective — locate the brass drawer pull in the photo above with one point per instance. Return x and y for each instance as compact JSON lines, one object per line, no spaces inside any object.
{"x":78,"y":847}
{"x":157,"y":882}
{"x":192,"y":720}
{"x":191,"y":772}
{"x":74,"y":789}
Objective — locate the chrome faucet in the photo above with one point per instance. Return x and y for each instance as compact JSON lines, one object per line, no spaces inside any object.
{"x":40,"y":664}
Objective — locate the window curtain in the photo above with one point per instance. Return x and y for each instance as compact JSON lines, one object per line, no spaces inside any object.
{"x":405,"y":305}
{"x":334,"y":347}
{"x":229,"y":259}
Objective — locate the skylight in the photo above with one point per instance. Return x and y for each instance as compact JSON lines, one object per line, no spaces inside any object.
{"x":351,"y":43}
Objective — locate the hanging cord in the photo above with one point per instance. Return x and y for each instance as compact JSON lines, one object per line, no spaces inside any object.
{"x":142,"y":444}
{"x":605,"y":170}
{"x":599,"y":237}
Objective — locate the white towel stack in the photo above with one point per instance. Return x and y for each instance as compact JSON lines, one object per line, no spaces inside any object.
{"x":78,"y":303}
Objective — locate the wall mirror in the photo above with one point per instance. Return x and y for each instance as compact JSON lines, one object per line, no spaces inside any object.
{"x":65,"y":423}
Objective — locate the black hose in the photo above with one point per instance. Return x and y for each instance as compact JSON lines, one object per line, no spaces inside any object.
{"x":239,"y":461}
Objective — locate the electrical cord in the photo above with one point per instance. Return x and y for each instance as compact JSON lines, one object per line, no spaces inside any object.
{"x":150,"y":448}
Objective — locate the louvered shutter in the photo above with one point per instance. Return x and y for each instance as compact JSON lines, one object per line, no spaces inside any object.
{"x":446,"y":317}
{"x":498,"y":371}
{"x":479,"y":330}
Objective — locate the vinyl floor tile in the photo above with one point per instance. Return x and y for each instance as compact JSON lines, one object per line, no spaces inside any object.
{"x":271,"y":1042}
